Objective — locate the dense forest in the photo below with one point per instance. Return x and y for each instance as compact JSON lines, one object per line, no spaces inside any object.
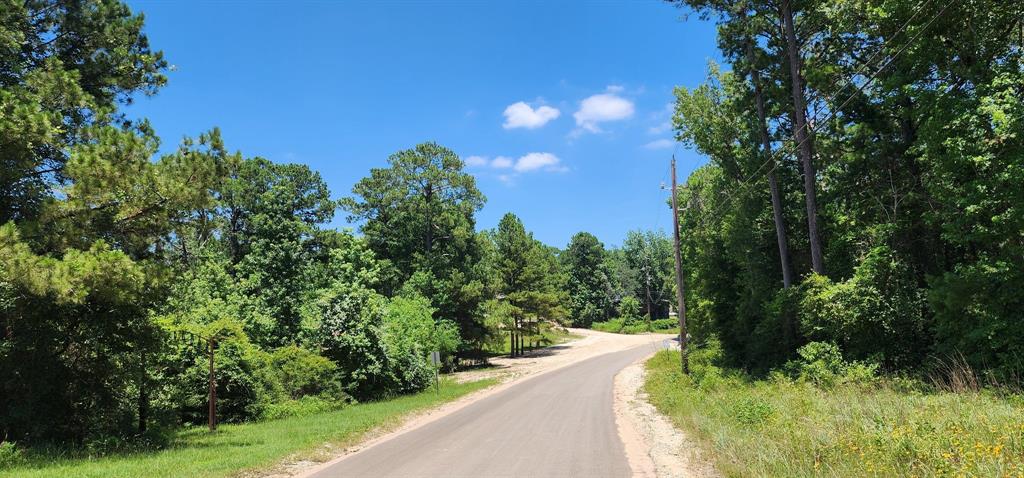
{"x":122,"y":266}
{"x":865,"y":186}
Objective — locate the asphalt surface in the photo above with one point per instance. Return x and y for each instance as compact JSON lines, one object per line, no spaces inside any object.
{"x":558,"y":424}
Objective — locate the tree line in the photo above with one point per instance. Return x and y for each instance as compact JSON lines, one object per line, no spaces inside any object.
{"x":865,"y":182}
{"x":119,"y":264}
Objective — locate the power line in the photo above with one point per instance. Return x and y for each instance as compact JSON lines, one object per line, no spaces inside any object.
{"x":729,"y":195}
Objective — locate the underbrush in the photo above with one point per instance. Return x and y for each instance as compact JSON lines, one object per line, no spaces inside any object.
{"x":301,"y":407}
{"x":623,"y":325}
{"x":823,"y":416}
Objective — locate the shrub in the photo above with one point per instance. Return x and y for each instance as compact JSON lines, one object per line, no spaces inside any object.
{"x":877,"y":314}
{"x":303,"y":373}
{"x":10,"y":454}
{"x":629,"y":307}
{"x":978,"y":314}
{"x":245,"y":381}
{"x":753,"y":411}
{"x":822,"y":363}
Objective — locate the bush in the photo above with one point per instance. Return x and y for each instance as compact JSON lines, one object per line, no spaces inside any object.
{"x":381,"y":346}
{"x":10,"y":454}
{"x":246,"y":384}
{"x":303,"y":373}
{"x":629,"y":307}
{"x":878,"y":314}
{"x":978,"y":314}
{"x":822,"y":364}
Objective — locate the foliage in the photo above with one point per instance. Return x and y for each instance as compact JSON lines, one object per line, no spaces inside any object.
{"x":10,"y":454}
{"x":417,"y":214}
{"x":821,"y":363}
{"x":780,"y":427}
{"x":649,"y":254}
{"x":589,"y":286}
{"x":302,"y":407}
{"x":303,"y":373}
{"x":918,"y":166}
{"x":246,"y":384}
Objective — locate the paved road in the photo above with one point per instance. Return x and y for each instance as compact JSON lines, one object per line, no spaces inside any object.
{"x":559,"y":424}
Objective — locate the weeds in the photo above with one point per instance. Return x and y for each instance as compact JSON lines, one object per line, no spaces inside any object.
{"x":786,"y":425}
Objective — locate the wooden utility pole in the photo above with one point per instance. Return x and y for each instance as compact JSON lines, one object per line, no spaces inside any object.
{"x":679,"y":275}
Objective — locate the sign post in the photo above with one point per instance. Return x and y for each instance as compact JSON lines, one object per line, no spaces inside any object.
{"x":435,"y":360}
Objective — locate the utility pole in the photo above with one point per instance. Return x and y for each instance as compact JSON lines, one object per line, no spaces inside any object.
{"x":679,"y":275}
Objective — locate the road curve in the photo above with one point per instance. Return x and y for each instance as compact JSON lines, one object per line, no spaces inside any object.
{"x":557,"y":424}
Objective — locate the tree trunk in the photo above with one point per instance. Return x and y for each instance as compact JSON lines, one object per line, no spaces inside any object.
{"x":805,"y":148}
{"x":773,"y":185}
{"x":143,"y":395}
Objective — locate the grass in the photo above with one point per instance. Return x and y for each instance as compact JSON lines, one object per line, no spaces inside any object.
{"x":636,"y":326}
{"x":248,"y":447}
{"x":785,"y":428}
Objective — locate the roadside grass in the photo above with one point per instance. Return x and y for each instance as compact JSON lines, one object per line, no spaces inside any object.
{"x":548,"y":336}
{"x":636,"y":326}
{"x":237,"y":449}
{"x":784,"y":428}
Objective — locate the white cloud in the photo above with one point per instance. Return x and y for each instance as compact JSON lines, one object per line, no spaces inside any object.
{"x":660,"y":144}
{"x":476,"y":161}
{"x":502,"y":162}
{"x":521,"y":115}
{"x":663,"y":119}
{"x":535,"y":161}
{"x":602,"y":108}
{"x":511,"y":168}
{"x":660,"y":127}
{"x":615,"y":88}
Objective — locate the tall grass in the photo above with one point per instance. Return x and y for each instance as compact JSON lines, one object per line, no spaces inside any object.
{"x":235,"y":449}
{"x":787,"y":428}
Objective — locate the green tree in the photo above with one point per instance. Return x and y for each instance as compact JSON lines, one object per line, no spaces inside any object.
{"x":64,"y":68}
{"x":529,"y":278}
{"x":649,"y":255}
{"x":589,"y":287}
{"x":418,"y":215}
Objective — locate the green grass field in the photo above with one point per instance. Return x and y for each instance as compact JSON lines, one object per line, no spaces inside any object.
{"x":781,"y":428}
{"x":235,"y":449}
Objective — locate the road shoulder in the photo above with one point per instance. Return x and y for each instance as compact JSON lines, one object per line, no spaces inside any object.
{"x":654,"y":447}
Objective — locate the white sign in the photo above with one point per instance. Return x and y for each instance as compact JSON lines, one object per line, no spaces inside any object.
{"x":435,"y":358}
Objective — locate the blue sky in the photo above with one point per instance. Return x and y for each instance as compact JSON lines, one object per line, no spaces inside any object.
{"x":560,"y":108}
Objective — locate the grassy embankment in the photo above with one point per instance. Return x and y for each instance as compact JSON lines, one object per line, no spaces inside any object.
{"x":881,"y":427}
{"x":238,"y":448}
